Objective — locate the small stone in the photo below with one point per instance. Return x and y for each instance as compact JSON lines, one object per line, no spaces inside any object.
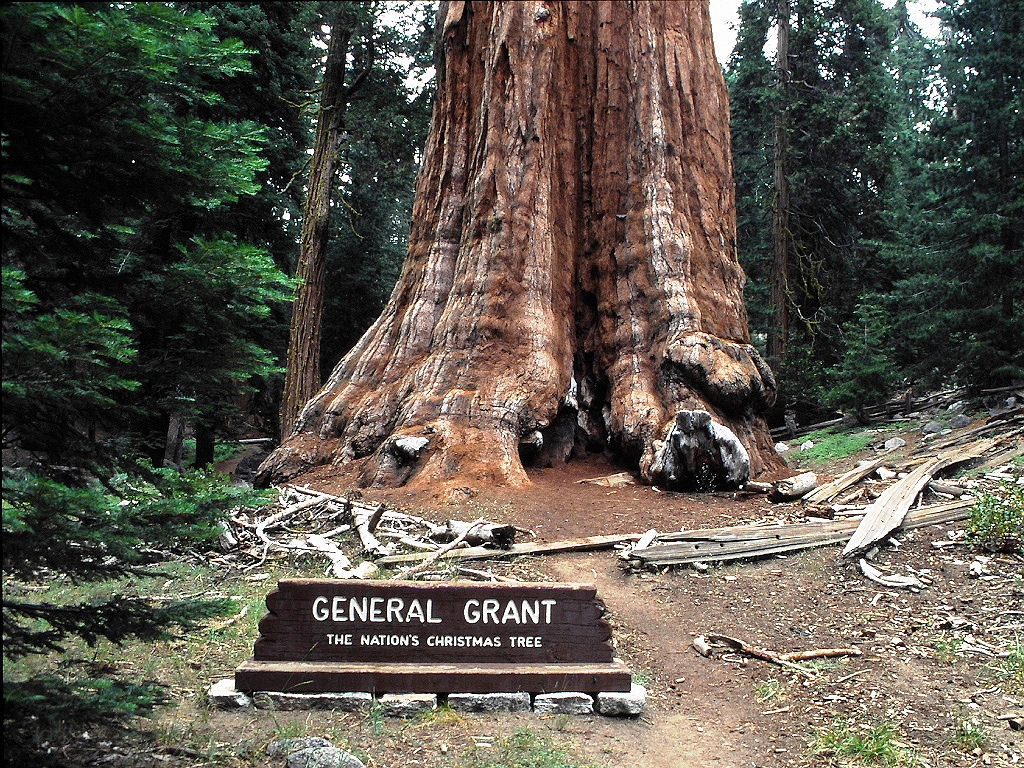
{"x":622,"y":703}
{"x":932,"y":427}
{"x":489,"y":702}
{"x":541,"y":15}
{"x":893,"y":443}
{"x":224,"y":695}
{"x":338,"y":702}
{"x":287,"y":746}
{"x":960,"y":420}
{"x":781,"y":448}
{"x":566,"y":703}
{"x":806,"y":445}
{"x":958,"y":407}
{"x":323,"y":757}
{"x":407,"y":704}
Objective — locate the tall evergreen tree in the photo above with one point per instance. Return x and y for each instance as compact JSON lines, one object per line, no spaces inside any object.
{"x":370,"y":125}
{"x":978,"y":177}
{"x":119,"y":302}
{"x":838,"y":98}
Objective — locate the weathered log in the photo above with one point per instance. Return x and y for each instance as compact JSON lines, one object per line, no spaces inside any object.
{"x":571,"y":281}
{"x":886,"y":513}
{"x":794,"y":487}
{"x":476,"y":534}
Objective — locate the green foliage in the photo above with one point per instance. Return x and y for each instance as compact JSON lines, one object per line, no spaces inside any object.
{"x":968,"y":735}
{"x":49,"y":700}
{"x":997,"y":519}
{"x":832,"y":445}
{"x":524,"y":748}
{"x":119,"y":306}
{"x":1012,"y":664}
{"x":865,"y":373}
{"x":867,"y":746}
{"x":905,"y":211}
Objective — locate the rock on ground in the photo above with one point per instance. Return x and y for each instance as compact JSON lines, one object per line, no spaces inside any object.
{"x":622,"y":703}
{"x":489,"y":702}
{"x":323,"y":757}
{"x":567,"y":703}
{"x":224,"y":695}
{"x":407,"y":704}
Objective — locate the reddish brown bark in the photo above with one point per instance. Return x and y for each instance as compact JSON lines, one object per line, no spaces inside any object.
{"x":571,"y":280}
{"x":778,"y":332}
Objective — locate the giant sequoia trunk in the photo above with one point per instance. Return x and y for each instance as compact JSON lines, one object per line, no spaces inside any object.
{"x":571,"y":282}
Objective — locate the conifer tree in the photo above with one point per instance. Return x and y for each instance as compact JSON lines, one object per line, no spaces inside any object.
{"x":116,"y":301}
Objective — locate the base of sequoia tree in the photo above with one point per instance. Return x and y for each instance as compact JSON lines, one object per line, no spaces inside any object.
{"x":571,"y":283}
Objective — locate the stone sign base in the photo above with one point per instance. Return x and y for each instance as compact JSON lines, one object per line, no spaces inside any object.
{"x":301,"y":677}
{"x":629,"y":703}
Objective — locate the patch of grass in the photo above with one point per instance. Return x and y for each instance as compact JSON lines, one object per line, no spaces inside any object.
{"x":997,"y":519}
{"x":1011,"y":665}
{"x":524,"y":748}
{"x":771,"y":691}
{"x":442,"y":717}
{"x":862,"y":744}
{"x":375,"y":718}
{"x":641,"y":677}
{"x":968,"y":735}
{"x":947,"y":649}
{"x":830,"y":445}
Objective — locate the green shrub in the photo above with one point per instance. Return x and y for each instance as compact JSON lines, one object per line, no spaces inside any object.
{"x":997,"y":519}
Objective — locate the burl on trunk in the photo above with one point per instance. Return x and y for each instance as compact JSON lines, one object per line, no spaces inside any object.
{"x":571,"y":283}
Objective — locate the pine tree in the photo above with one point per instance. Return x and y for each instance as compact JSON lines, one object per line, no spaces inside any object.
{"x":118,"y":304}
{"x":358,"y":196}
{"x":978,"y":178}
{"x":837,"y":95}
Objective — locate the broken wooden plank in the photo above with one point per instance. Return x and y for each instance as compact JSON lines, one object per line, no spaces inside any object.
{"x":483,"y":553}
{"x":738,"y":542}
{"x":830,"y":490}
{"x":886,"y":513}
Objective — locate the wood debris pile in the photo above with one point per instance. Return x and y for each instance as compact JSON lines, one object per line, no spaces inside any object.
{"x":864,"y":506}
{"x":305,"y":522}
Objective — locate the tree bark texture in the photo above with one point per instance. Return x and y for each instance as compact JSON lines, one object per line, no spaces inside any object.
{"x":778,"y":333}
{"x":571,"y":282}
{"x":302,"y":369}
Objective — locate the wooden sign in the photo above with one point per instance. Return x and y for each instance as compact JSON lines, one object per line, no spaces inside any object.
{"x":334,"y":635}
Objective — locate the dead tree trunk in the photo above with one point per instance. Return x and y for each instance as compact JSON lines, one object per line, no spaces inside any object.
{"x":571,"y":281}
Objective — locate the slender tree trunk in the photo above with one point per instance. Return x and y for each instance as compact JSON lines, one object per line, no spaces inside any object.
{"x":302,"y":374}
{"x":778,"y":332}
{"x":571,"y":282}
{"x":206,"y":443}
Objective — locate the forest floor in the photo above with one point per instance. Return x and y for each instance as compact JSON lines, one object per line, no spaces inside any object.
{"x":928,"y":690}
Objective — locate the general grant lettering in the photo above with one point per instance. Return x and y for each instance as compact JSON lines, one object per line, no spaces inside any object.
{"x":391,"y":610}
{"x":514,"y":612}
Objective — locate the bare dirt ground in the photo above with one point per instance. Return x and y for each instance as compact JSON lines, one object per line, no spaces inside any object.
{"x":926,"y":670}
{"x":930,"y":680}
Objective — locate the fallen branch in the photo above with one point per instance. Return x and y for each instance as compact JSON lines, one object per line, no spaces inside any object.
{"x":753,"y":651}
{"x":486,"y":553}
{"x":227,"y":622}
{"x":434,"y":556}
{"x":704,"y":643}
{"x":892,"y":581}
